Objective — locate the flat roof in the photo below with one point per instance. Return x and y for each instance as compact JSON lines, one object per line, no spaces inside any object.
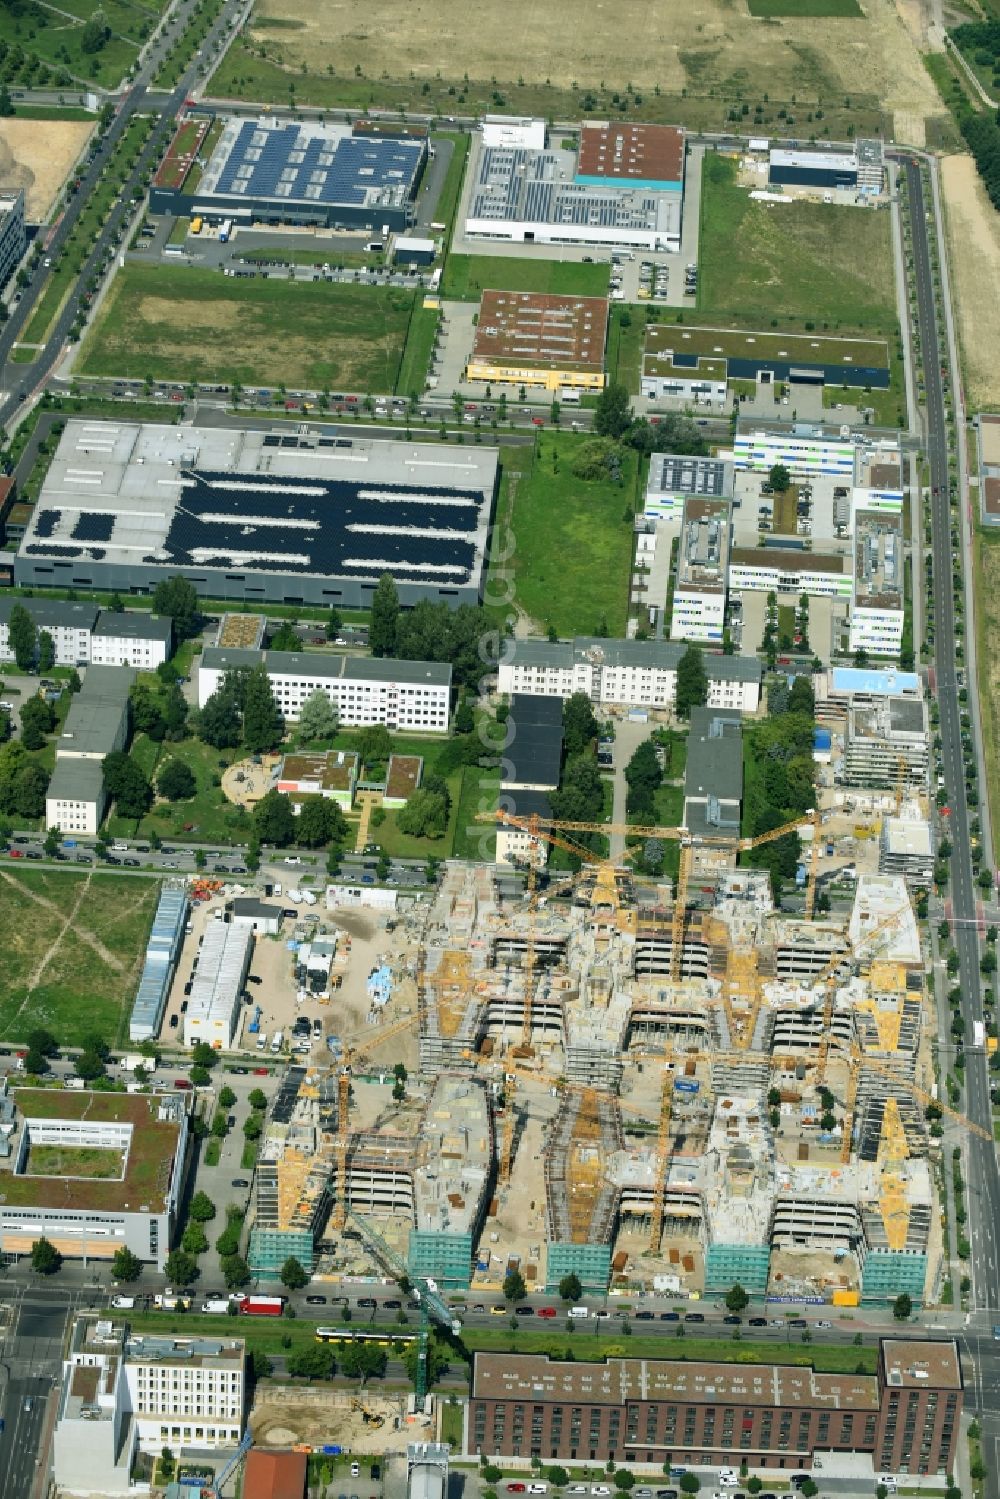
{"x":644,"y":153}
{"x":310,"y":664}
{"x":878,"y":560}
{"x":541,"y":331}
{"x":134,"y":624}
{"x":989,"y":439}
{"x":305,"y":162}
{"x":914,"y":1363}
{"x":149,"y":1164}
{"x":254,"y":502}
{"x":680,"y":473}
{"x":703,"y":553}
{"x":715,"y":755}
{"x":403,"y":773}
{"x":538,"y":1378}
{"x":873,"y":682}
{"x":790,"y":559}
{"x":907,"y":838}
{"x":76,"y":780}
{"x":824,"y":161}
{"x":331,"y":771}
{"x":680,"y":345}
{"x":991,"y":495}
{"x":533,"y":752}
{"x":637,"y":655}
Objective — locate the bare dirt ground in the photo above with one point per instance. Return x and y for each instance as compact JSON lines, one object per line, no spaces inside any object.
{"x":974,"y":251}
{"x":281,"y":1417}
{"x":37,"y":155}
{"x":700,"y":46}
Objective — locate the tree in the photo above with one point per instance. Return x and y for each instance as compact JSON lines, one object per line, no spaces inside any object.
{"x":319,"y":822}
{"x":779,"y":478}
{"x":334,"y":624}
{"x":181,"y":1268}
{"x":363,"y":1361}
{"x":257,"y":1099}
{"x":202,"y":1208}
{"x":46,"y":651}
{"x":263,"y":724}
{"x":125,"y":1266}
{"x":53,"y":841}
{"x":809,"y":1489}
{"x":514,"y":1288}
{"x":274,"y":820}
{"x":95,"y":32}
{"x":464,"y":720}
{"x":43,"y":1041}
{"x":643,"y":776}
{"x":45,"y":1257}
{"x":690,"y":1483}
{"x":293,"y":1275}
{"x":128,"y":784}
{"x":175,"y":712}
{"x":580,"y":797}
{"x":235,"y":1270}
{"x":736,"y":1298}
{"x":252,"y":1128}
{"x":146,"y":715}
{"x":613,"y":412}
{"x":176,"y":781}
{"x":37,"y":720}
{"x":204,"y":1055}
{"x":425,"y":815}
{"x":374,"y":744}
{"x":28,"y":789}
{"x":178,"y":600}
{"x":384,"y":617}
{"x":902,"y":1307}
{"x":580,"y":726}
{"x":315,"y":1361}
{"x":285,"y":637}
{"x":624,"y":1480}
{"x":570,"y":1287}
{"x":23,"y":637}
{"x":317,"y":717}
{"x":692,"y":682}
{"x":226,"y":1097}
{"x":195,"y":1240}
{"x":220,"y":722}
{"x":557,"y":1476}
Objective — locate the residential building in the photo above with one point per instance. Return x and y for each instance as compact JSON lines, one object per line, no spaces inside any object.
{"x":71,"y":626}
{"x":699,"y":607}
{"x":260,"y":517}
{"x":513,"y":844}
{"x":887,"y":744}
{"x":768,"y":1416}
{"x":877,"y":609}
{"x":403,"y":695}
{"x":906,"y":847}
{"x":186,"y":1392}
{"x":294,"y":1172}
{"x":96,"y":725}
{"x":82,"y":633}
{"x":132,"y":638}
{"x":539,"y":341}
{"x":675,"y":478}
{"x":94,"y":1442}
{"x":87,"y":1218}
{"x":214,"y":1006}
{"x":713,"y":779}
{"x":623,"y":673}
{"x":532,"y":750}
{"x":13,"y":233}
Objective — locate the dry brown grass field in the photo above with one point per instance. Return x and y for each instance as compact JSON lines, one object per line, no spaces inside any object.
{"x":974,"y":254}
{"x":37,"y":155}
{"x":705,"y":47}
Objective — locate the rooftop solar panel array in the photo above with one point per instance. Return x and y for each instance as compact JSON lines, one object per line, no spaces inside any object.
{"x":286,"y":161}
{"x":530,"y":186}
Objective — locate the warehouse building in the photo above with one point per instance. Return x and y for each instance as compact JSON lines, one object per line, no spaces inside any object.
{"x":213,"y":1012}
{"x":82,"y":1216}
{"x":363,"y":689}
{"x":162,"y":951}
{"x":303,"y":172}
{"x":539,"y":341}
{"x":260,"y":516}
{"x":877,"y":610}
{"x":861,"y":170}
{"x":619,"y":155}
{"x":767,"y":1416}
{"x":528,"y":195}
{"x":699,"y":610}
{"x":623,"y":673}
{"x":675,"y":478}
{"x":697,"y":362}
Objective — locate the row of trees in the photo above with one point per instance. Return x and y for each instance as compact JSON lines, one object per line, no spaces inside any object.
{"x":673,"y":433}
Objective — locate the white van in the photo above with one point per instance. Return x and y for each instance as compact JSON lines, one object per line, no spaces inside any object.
{"x":262,"y":1041}
{"x":578,"y":1311}
{"x":276,"y":1040}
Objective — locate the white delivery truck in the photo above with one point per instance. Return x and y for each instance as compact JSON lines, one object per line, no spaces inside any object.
{"x":276,"y":1041}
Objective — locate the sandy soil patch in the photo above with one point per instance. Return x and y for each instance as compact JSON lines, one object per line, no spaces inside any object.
{"x":283,"y":1416}
{"x":974,"y":251}
{"x":702,"y":45}
{"x":38,"y":155}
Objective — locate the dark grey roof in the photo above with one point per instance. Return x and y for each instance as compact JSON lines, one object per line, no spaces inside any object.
{"x":106,"y":684}
{"x":906,"y":715}
{"x":325,"y":664}
{"x":714,"y":757}
{"x":525,"y":803}
{"x":533,"y":752}
{"x":51,"y":614}
{"x":76,"y":780}
{"x":135,"y":624}
{"x":593,"y":649}
{"x":256,"y":909}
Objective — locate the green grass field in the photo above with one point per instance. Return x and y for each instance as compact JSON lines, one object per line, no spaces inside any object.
{"x":475,"y":840}
{"x":466,"y":277}
{"x":416,"y":360}
{"x":72,"y":953}
{"x":55,"y":39}
{"x":208,"y":817}
{"x":806,"y":265}
{"x":805,"y":9}
{"x":447,"y":203}
{"x":571,"y":540}
{"x":182,"y":323}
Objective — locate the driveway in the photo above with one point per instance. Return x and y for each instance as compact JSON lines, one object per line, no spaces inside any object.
{"x":628,"y":737}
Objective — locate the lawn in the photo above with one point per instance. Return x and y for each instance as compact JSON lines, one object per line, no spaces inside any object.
{"x":832,"y":1360}
{"x":479,"y":793}
{"x":626,"y":338}
{"x":56,"y":40}
{"x":447,"y":203}
{"x":803,"y":9}
{"x":416,"y":360}
{"x":57,"y":1160}
{"x":570,"y":541}
{"x":73,"y":949}
{"x":208,"y":817}
{"x":817,"y":265}
{"x":466,"y":277}
{"x":185,"y":323}
{"x":987,"y":576}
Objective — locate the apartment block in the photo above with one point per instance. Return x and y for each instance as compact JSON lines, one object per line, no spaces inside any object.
{"x":364,"y":690}
{"x":96,"y":725}
{"x":623,"y":673}
{"x":13,"y":233}
{"x":887,"y":744}
{"x":82,"y":633}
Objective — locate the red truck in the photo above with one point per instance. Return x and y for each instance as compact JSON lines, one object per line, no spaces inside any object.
{"x":262,"y":1306}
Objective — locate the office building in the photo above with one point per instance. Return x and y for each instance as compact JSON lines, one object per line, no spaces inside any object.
{"x":906,"y":847}
{"x":859,"y":171}
{"x":539,"y":341}
{"x":758,"y":452}
{"x":85,"y":1217}
{"x":13,"y":233}
{"x":790,"y":569}
{"x":696,"y":363}
{"x":699,"y":606}
{"x":363,"y":689}
{"x":673,"y":479}
{"x":260,"y":516}
{"x":877,"y":608}
{"x":768,"y":1416}
{"x":623,"y":673}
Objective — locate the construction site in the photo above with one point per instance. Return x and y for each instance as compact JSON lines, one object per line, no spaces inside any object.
{"x":654,"y":1087}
